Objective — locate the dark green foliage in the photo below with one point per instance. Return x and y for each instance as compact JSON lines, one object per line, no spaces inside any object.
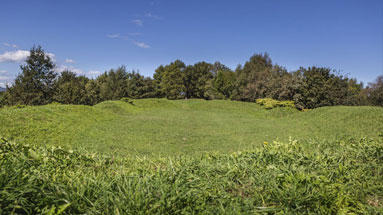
{"x":93,"y":92}
{"x":71,"y":89}
{"x":313,"y":177}
{"x":140,"y":87}
{"x":171,"y":80}
{"x":35,"y":84}
{"x":223,"y":83}
{"x":320,"y":87}
{"x":252,"y":78}
{"x":259,"y":78}
{"x":196,"y":80}
{"x":375,"y":91}
{"x":113,"y":84}
{"x":2,"y":99}
{"x":157,"y":76}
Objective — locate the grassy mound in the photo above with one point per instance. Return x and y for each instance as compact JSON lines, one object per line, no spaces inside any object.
{"x":164,"y":127}
{"x":314,"y":177}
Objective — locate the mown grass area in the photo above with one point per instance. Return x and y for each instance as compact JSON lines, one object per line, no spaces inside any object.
{"x":296,"y":177}
{"x":166,"y":127}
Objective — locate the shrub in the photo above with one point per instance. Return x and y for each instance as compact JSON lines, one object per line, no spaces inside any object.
{"x":272,"y":103}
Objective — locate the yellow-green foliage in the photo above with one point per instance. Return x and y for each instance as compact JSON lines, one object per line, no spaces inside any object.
{"x":272,"y":103}
{"x":312,"y":177}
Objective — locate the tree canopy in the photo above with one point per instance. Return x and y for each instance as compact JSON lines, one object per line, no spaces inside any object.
{"x":312,"y":87}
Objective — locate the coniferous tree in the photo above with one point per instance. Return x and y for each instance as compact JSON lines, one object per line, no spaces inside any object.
{"x":35,"y":84}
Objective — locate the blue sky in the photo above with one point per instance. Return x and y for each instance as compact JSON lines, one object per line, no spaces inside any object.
{"x":90,"y":37}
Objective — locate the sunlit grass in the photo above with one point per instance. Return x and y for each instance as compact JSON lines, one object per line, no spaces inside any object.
{"x":160,"y":126}
{"x":296,"y":177}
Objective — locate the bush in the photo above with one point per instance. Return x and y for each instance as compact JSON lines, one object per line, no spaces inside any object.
{"x":316,"y":177}
{"x":272,"y":103}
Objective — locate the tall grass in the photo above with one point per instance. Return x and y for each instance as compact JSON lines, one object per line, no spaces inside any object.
{"x":314,"y":177}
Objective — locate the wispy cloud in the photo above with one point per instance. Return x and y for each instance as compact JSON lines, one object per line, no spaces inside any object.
{"x":142,"y":45}
{"x":10,"y":45}
{"x":14,"y":56}
{"x":124,"y":37}
{"x":134,"y":34}
{"x":93,"y":72}
{"x":3,"y":72}
{"x":4,"y":81}
{"x":138,"y":22}
{"x":51,"y":56}
{"x":70,"y":61}
{"x":152,"y":16}
{"x":113,"y":36}
{"x":62,"y":68}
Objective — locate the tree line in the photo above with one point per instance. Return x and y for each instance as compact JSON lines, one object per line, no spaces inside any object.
{"x":312,"y":87}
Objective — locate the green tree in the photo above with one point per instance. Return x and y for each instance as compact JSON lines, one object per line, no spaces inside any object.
{"x":157,"y":76}
{"x":224,"y":83}
{"x":71,"y":89}
{"x":252,"y":78}
{"x":93,"y":92}
{"x":171,"y":80}
{"x":375,"y":91}
{"x":140,"y":87}
{"x":35,"y":84}
{"x":113,"y":84}
{"x":322,"y":87}
{"x":202,"y":75}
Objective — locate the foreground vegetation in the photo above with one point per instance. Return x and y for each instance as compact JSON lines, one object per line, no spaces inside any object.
{"x":309,"y":177}
{"x":164,"y":127}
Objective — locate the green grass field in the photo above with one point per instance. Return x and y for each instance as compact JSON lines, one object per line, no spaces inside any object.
{"x":161,"y":156}
{"x":167,"y":127}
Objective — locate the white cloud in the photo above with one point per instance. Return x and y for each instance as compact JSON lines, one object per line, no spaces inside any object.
{"x":153,"y":16}
{"x":142,"y":45}
{"x":52,"y":56}
{"x":10,"y":45}
{"x":3,"y":78}
{"x":3,"y":72}
{"x":70,"y":61}
{"x":4,"y":81}
{"x":14,"y":56}
{"x":19,"y":56}
{"x":138,"y":22}
{"x":93,"y":72}
{"x":62,"y":68}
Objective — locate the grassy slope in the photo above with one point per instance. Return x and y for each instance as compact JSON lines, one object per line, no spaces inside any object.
{"x":161,"y":126}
